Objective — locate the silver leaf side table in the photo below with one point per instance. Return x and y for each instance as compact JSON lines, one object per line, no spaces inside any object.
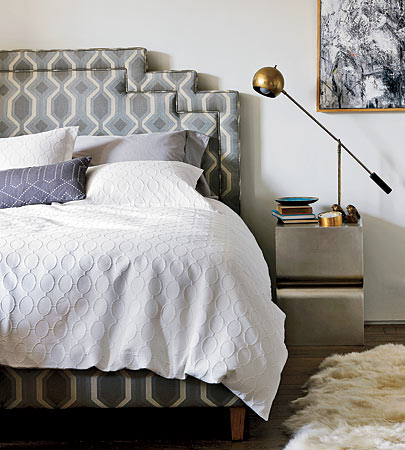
{"x":319,"y":283}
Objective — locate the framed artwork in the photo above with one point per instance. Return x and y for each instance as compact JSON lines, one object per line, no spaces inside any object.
{"x":361,"y":55}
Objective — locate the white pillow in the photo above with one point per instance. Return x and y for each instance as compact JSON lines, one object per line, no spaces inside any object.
{"x":40,"y":149}
{"x":184,"y":145}
{"x":145,"y":184}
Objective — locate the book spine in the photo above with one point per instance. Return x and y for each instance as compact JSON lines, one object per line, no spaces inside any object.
{"x":286,"y":210}
{"x":293,"y":216}
{"x":292,"y":222}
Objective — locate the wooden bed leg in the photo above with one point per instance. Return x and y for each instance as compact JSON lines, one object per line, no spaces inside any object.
{"x":238,"y":414}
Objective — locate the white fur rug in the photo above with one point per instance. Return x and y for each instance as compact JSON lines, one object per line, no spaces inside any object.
{"x":355,"y":402}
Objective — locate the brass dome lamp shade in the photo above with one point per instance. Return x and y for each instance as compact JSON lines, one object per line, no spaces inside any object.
{"x":269,"y":81}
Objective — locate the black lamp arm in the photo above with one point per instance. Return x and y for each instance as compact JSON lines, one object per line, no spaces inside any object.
{"x":379,"y":181}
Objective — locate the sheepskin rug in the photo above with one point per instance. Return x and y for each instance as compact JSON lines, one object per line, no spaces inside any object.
{"x":355,"y":402}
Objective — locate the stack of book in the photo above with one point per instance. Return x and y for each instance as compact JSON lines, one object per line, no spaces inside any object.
{"x":295,"y":214}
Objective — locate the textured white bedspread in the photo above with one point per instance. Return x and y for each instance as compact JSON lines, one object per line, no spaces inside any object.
{"x":177,"y":291}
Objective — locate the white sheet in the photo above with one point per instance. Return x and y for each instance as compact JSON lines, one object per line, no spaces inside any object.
{"x":179,"y":291}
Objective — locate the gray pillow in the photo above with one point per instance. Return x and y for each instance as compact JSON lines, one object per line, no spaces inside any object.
{"x":196,"y":143}
{"x":137,"y":147}
{"x":61,"y":182}
{"x":185,"y":146}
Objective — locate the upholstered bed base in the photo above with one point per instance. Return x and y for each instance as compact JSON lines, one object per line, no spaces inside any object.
{"x":92,"y":388}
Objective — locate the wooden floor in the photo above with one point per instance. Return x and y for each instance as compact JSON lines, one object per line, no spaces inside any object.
{"x":181,"y":429}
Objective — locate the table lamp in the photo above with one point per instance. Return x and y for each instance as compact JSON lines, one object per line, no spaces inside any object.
{"x":269,"y":81}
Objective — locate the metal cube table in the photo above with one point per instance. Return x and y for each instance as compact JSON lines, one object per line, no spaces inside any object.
{"x":319,"y":283}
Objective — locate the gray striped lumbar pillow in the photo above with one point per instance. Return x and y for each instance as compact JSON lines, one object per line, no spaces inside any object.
{"x":61,"y":182}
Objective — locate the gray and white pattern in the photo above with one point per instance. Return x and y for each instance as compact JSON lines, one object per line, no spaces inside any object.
{"x":362,"y":54}
{"x":110,"y":92}
{"x":62,"y":182}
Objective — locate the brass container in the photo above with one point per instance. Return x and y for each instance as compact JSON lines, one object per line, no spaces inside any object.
{"x":330,"y":219}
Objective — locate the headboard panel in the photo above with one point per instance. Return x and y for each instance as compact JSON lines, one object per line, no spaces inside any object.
{"x":109,"y":91}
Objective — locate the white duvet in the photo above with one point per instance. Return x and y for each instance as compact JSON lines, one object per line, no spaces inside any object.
{"x":176,"y":290}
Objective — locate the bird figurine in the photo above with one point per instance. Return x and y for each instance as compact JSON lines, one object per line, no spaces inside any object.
{"x":353,"y":215}
{"x":338,"y":208}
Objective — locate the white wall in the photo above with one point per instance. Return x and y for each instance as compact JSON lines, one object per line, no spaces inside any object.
{"x":283,"y":153}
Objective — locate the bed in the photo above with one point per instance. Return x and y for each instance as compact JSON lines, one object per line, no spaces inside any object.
{"x":220,"y":338}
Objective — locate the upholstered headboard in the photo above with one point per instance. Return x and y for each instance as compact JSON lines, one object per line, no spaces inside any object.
{"x":109,"y":91}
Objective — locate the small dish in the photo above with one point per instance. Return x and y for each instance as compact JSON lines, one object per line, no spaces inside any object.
{"x":296,"y":201}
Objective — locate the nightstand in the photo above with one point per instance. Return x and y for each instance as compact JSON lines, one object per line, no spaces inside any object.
{"x":320,"y":283}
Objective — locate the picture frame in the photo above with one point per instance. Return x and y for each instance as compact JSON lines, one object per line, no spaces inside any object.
{"x":359,"y":57}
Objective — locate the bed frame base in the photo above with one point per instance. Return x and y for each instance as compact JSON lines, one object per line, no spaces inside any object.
{"x":238,"y":414}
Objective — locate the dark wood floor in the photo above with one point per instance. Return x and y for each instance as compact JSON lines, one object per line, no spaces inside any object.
{"x":180,"y":429}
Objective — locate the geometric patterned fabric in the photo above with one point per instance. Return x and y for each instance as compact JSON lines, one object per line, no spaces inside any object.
{"x":110,"y":92}
{"x":92,"y":388}
{"x":61,"y":182}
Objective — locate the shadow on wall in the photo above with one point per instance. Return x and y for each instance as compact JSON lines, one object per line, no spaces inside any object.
{"x":158,"y":61}
{"x":207,"y":82}
{"x":384,"y":258}
{"x":257,"y":197}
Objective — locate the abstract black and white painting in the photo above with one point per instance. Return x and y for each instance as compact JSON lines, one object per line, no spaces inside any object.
{"x":361,"y":55}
